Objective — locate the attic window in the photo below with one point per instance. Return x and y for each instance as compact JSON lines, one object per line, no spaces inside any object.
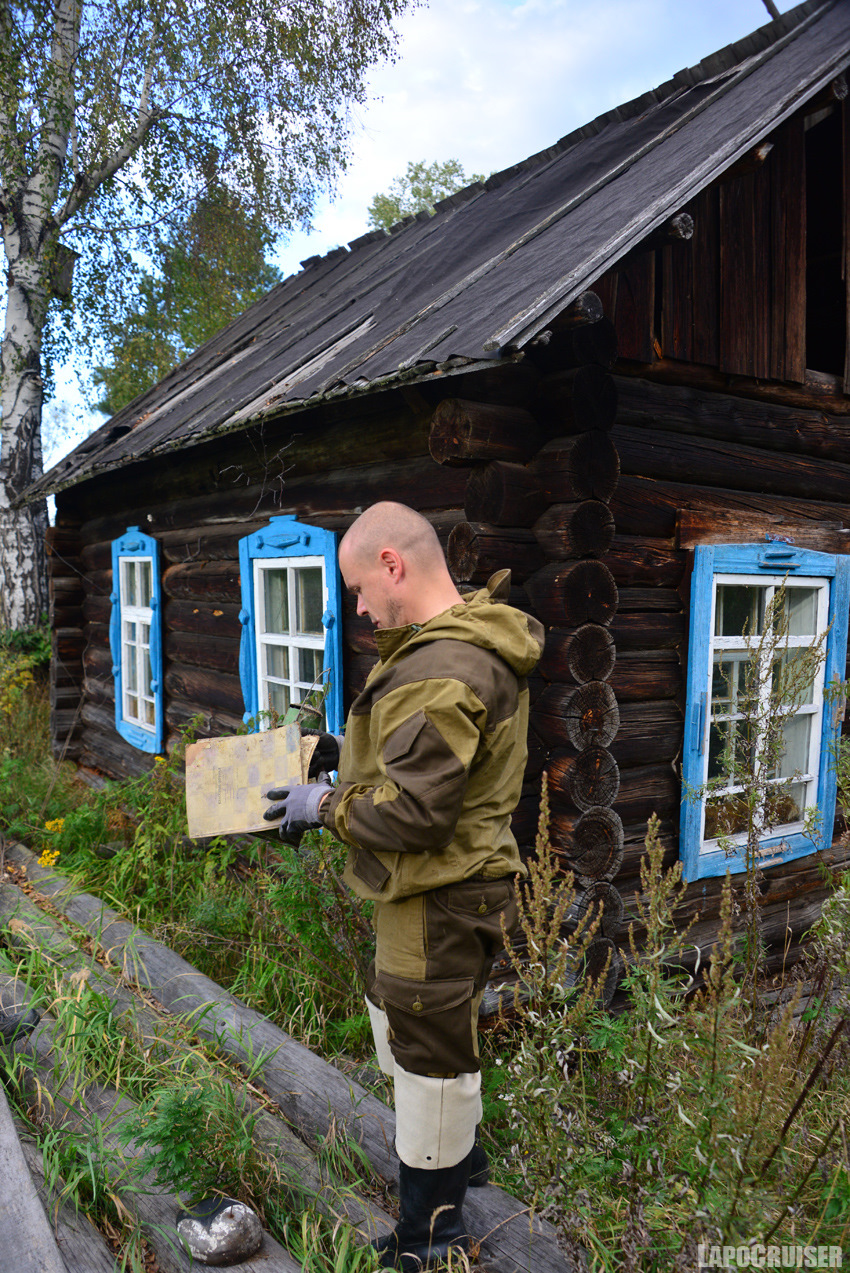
{"x":826,"y":321}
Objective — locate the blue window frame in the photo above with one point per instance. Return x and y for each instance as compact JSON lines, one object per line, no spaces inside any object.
{"x":730,"y":587}
{"x":290,"y":616}
{"x":135,"y":638}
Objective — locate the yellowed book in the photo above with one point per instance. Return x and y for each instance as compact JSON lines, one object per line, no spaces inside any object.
{"x":227,"y":778}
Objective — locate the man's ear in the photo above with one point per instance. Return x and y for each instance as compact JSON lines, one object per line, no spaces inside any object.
{"x":393,"y":563}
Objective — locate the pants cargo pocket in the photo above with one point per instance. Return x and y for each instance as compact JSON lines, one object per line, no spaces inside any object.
{"x":431,"y":1023}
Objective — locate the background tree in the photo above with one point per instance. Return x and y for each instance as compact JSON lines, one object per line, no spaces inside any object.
{"x":113,"y":115}
{"x":421,"y":187}
{"x":208,"y":271}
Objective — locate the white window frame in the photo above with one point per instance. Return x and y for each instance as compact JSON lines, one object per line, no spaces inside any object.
{"x":132,"y":650}
{"x":293,"y":640}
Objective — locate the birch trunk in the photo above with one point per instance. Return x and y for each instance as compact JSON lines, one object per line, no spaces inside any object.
{"x":30,"y":235}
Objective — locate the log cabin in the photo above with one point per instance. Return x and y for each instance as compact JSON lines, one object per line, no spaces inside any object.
{"x":620,"y":368}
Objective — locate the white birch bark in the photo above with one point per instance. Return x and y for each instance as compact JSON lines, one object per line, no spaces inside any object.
{"x":29,"y":242}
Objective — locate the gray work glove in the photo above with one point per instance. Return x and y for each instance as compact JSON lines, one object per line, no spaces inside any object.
{"x":298,"y":807}
{"x":327,"y":753}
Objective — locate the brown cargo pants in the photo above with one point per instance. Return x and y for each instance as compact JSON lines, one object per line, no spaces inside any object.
{"x":433,"y":957}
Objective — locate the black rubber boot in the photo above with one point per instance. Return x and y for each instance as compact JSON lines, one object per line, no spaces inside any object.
{"x":17,"y":1025}
{"x":479,"y":1165}
{"x":425,"y":1232}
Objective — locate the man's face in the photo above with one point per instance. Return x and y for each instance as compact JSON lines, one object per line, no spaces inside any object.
{"x":373,"y":583}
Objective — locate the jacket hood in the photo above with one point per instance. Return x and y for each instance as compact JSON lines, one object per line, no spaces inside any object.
{"x":483,"y":619}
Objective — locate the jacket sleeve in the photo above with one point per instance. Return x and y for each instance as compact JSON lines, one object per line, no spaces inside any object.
{"x":427,"y":736}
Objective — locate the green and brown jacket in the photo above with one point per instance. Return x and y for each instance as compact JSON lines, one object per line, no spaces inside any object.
{"x":435,"y":749}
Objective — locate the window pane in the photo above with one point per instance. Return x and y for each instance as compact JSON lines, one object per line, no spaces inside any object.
{"x":310,"y":663}
{"x":146,"y":671}
{"x":725,"y":815}
{"x":798,"y":733}
{"x":150,"y":716}
{"x":129,"y":568}
{"x":129,"y":632}
{"x":130,"y":670}
{"x":275,"y":600}
{"x":277,"y":661}
{"x":729,"y":683}
{"x":718,"y":737}
{"x":278,"y":697}
{"x":132,"y":706}
{"x":787,"y":804}
{"x":144,"y":583}
{"x":309,"y":600}
{"x":739,"y":609}
{"x":801,"y":609}
{"x":797,"y":686}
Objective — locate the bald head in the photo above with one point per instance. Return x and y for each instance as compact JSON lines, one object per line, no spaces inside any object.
{"x":391,"y":525}
{"x":392,"y":560}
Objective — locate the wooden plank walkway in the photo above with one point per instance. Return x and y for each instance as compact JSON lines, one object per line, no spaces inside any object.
{"x":313,"y":1094}
{"x":29,"y":1245}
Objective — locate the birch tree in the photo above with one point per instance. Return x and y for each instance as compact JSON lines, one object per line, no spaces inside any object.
{"x":114,"y":114}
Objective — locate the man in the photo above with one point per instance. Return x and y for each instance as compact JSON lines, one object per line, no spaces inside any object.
{"x":429,"y":774}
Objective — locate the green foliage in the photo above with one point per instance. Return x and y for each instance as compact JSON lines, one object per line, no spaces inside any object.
{"x":421,"y":187}
{"x":197,"y":1140}
{"x":208,"y":270}
{"x":32,"y":643}
{"x":683,"y":1119}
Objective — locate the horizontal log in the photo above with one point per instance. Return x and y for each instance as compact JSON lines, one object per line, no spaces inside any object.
{"x":97,"y":556}
{"x":563,"y":348}
{"x":716,"y":526}
{"x":98,"y":716}
{"x":649,"y":599}
{"x":66,"y":591}
{"x":206,"y":543}
{"x":65,"y":723}
{"x":661,"y":453}
{"x":357,"y":668}
{"x":208,"y":581}
{"x":66,"y":645}
{"x":210,"y":690}
{"x":213,"y":619}
{"x":820,"y":391}
{"x":213,"y":724}
{"x":219,"y":655}
{"x":100,"y":690}
{"x":572,"y":469}
{"x":636,"y":562}
{"x":524,"y":820}
{"x":589,"y":778}
{"x":503,"y":494}
{"x":537,"y":753}
{"x":463,"y":432}
{"x":98,"y":583}
{"x":591,"y":845}
{"x":62,"y":696}
{"x":578,"y":655}
{"x":67,"y":616}
{"x":586,"y":716}
{"x":648,"y":789}
{"x":644,"y":506}
{"x":97,"y":662}
{"x":62,"y":749}
{"x":107,"y":753}
{"x":64,"y":567}
{"x":585,"y":529}
{"x":60,"y":541}
{"x":646,"y":675}
{"x":633,"y":630}
{"x":476,"y":550}
{"x":571,"y":593}
{"x":97,"y":610}
{"x":688,"y":410}
{"x":342,"y":489}
{"x":647,"y":729}
{"x":97,"y":635}
{"x":577,"y":399}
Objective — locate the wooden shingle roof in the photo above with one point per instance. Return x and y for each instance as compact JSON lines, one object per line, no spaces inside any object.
{"x":495,"y":264}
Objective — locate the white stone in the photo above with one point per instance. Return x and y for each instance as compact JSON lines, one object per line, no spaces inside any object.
{"x":221,"y":1231}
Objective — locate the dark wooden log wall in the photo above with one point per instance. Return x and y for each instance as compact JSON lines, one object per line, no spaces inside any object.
{"x":199,"y":505}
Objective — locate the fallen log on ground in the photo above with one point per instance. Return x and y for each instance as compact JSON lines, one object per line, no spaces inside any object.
{"x":313,"y":1095}
{"x":28,"y":1242}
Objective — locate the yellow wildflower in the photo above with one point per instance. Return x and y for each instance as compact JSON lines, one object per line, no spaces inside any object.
{"x":160,"y":760}
{"x":55,"y":825}
{"x":49,"y":857}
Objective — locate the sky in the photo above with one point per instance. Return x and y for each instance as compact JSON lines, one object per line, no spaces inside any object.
{"x":490,"y":82}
